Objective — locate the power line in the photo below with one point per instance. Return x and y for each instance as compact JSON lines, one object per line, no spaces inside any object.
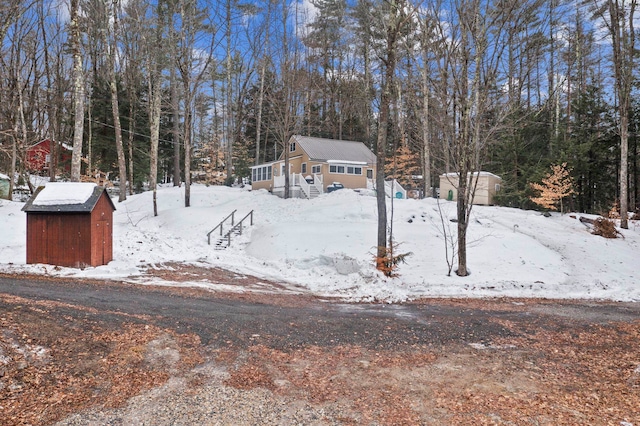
{"x":130,"y":132}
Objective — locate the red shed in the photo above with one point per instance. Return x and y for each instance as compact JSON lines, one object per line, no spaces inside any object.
{"x":70,"y":224}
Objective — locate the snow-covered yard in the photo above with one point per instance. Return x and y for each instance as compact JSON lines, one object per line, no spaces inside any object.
{"x":326,"y":245}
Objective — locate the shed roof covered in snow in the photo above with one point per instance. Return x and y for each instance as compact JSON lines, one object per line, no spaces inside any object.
{"x":65,"y":197}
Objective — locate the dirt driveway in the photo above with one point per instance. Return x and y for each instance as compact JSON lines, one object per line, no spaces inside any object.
{"x":79,"y":352}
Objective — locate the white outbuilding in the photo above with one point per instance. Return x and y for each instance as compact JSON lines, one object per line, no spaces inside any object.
{"x":488,"y":185}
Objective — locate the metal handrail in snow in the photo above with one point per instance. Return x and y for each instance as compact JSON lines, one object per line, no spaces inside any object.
{"x":238,"y":227}
{"x":220,"y":225}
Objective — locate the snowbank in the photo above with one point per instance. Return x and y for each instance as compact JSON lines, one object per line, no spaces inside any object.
{"x":326,"y":245}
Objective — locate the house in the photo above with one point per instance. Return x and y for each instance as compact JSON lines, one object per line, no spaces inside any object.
{"x":315,"y":164}
{"x":38,"y":157}
{"x":488,"y":186}
{"x":70,"y":224}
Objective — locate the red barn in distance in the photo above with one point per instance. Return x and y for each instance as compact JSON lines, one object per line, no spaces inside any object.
{"x":39,"y":157}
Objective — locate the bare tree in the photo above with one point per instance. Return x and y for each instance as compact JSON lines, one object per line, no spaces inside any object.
{"x":155,"y":61}
{"x":193,"y":69}
{"x":78,"y":88}
{"x":618,"y":17}
{"x":395,"y":16}
{"x":473,"y":37}
{"x":132,"y":37}
{"x":264,"y":62}
{"x":111,"y":38}
{"x":10,"y":10}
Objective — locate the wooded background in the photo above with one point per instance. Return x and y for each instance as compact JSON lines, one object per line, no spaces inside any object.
{"x":205,"y":89}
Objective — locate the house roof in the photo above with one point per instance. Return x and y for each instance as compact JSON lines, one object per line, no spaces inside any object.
{"x":65,"y":197}
{"x":319,"y":149}
{"x":47,"y":143}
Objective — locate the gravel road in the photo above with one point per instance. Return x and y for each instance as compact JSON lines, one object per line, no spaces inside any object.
{"x":223,"y":359}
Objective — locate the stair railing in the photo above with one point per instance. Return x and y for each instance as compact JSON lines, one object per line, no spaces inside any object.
{"x":238,"y":227}
{"x":318,"y":183}
{"x":232,"y":215}
{"x":305,"y":186}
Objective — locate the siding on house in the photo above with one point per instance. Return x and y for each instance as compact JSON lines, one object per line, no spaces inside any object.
{"x":39,"y":156}
{"x":321,"y":152}
{"x":488,"y":186}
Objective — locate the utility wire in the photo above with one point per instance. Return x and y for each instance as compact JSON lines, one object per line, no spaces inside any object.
{"x":133,"y":133}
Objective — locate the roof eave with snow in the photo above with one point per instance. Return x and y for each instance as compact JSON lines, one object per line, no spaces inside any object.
{"x":356,"y":163}
{"x":65,"y":197}
{"x":455,"y":174}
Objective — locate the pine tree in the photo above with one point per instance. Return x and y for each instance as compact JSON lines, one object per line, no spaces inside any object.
{"x":554,"y":188}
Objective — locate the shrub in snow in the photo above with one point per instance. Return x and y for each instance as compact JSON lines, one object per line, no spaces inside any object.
{"x":605,"y":228}
{"x":554,"y":188}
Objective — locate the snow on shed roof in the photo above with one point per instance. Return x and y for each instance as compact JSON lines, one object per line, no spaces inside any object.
{"x":65,"y":197}
{"x":454,"y":174}
{"x":2,"y":176}
{"x":336,"y":150}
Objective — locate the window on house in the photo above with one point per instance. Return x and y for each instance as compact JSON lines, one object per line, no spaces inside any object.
{"x":316,"y":169}
{"x":350,"y":170}
{"x":304,"y":168}
{"x":292,"y":146}
{"x":369,"y":173}
{"x":261,"y":173}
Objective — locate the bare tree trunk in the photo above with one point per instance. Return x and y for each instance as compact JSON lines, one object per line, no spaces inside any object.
{"x":263,"y":71}
{"x":50,"y":108}
{"x":426,"y":131}
{"x":78,"y":90}
{"x":229,"y":110}
{"x":187,"y":148}
{"x":381,"y":141}
{"x":154,"y":67}
{"x":89,"y":169}
{"x":627,"y":68}
{"x":14,"y":157}
{"x":175,"y":105}
{"x":115,"y":106}
{"x":620,"y":24}
{"x":154,"y":128}
{"x":192,"y":69}
{"x":130,"y":141}
{"x":396,"y":18}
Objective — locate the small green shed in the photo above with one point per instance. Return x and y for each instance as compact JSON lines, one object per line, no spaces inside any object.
{"x":4,"y":187}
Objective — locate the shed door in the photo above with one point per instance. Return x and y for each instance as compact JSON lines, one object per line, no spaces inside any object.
{"x":103,"y":236}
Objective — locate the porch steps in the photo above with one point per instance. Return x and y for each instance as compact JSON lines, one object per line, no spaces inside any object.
{"x":313,"y":192}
